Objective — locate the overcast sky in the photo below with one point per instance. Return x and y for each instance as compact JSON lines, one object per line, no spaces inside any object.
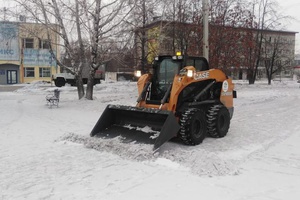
{"x":287,"y":7}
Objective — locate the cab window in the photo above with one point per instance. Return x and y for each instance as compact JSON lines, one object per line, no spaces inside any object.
{"x":168,"y":69}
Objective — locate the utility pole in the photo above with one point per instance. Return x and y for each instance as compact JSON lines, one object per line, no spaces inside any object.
{"x":143,"y":39}
{"x":205,"y":29}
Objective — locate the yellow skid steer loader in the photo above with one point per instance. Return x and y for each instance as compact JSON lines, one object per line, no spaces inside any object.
{"x":182,"y":98}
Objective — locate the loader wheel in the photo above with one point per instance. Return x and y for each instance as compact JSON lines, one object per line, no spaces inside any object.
{"x":193,"y":126}
{"x":218,"y":121}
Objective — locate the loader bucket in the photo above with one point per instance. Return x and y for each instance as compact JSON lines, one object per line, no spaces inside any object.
{"x":115,"y":119}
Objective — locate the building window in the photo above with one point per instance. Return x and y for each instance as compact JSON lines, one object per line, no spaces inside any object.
{"x":44,"y":44}
{"x":28,"y":43}
{"x":29,"y":72}
{"x":45,"y":72}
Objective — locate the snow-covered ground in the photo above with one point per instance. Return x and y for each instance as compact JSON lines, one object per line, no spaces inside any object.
{"x":46,"y":153}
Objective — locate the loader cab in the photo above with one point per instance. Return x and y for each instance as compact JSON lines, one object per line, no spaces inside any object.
{"x":200,"y":63}
{"x":164,"y":70}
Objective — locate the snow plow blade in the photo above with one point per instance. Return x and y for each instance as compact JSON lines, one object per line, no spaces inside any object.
{"x":119,"y":120}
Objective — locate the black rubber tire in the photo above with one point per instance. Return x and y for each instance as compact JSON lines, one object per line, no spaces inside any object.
{"x":59,"y":82}
{"x":193,"y":126}
{"x":218,"y":121}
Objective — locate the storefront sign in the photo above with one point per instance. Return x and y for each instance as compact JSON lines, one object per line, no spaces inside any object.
{"x":9,"y":48}
{"x":38,"y":57}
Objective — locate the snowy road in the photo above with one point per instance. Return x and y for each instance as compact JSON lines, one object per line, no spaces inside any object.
{"x":259,"y":159}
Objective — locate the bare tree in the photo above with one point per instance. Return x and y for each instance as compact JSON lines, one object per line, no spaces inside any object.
{"x":143,"y":13}
{"x":181,"y":12}
{"x":271,"y":52}
{"x":85,"y":24}
{"x":275,"y":58}
{"x":227,"y":19}
{"x":106,"y":18}
{"x":229,"y":35}
{"x":267,"y":18}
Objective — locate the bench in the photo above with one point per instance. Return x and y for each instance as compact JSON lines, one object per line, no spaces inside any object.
{"x":53,"y":99}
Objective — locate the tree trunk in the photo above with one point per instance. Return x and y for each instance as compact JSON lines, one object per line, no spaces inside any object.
{"x":251,"y":81}
{"x":90,"y":85}
{"x":81,"y":55}
{"x":80,"y":88}
{"x":251,"y":77}
{"x":143,"y":39}
{"x":94,"y":63}
{"x":269,"y":80}
{"x":269,"y":76}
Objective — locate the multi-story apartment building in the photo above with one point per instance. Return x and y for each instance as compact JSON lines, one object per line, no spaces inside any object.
{"x":26,"y":52}
{"x":233,"y":49}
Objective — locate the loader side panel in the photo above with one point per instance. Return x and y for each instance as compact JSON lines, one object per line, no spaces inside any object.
{"x":227,"y":93}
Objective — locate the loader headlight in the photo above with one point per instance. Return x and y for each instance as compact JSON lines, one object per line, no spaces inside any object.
{"x":138,"y":73}
{"x":190,"y":73}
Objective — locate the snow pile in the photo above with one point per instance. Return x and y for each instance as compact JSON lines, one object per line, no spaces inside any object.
{"x":199,"y":161}
{"x":132,"y":151}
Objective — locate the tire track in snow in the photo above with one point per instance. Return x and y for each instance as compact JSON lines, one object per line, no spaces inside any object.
{"x":271,"y":123}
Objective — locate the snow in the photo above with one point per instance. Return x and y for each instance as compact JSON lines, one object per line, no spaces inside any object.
{"x":47,"y":153}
